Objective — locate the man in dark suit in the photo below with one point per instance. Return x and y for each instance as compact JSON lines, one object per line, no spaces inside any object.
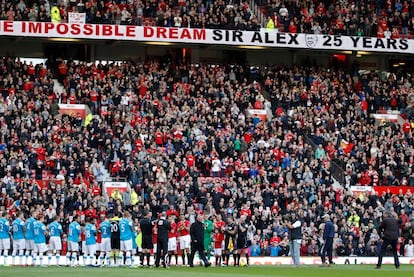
{"x":389,"y":228}
{"x":197,"y":241}
{"x":328,"y":236}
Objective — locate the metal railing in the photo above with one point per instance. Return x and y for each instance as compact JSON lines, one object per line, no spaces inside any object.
{"x":261,"y":18}
{"x":337,"y":172}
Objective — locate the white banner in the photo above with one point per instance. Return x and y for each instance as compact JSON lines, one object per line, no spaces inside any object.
{"x":204,"y":36}
{"x":110,"y":187}
{"x":361,"y":188}
{"x":262,"y":114}
{"x":76,"y":17}
{"x":73,"y":110}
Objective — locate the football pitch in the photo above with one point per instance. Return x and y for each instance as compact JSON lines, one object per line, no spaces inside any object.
{"x":252,"y":271}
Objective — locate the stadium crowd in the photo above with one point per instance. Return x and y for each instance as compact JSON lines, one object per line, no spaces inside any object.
{"x":181,"y":135}
{"x":390,"y":19}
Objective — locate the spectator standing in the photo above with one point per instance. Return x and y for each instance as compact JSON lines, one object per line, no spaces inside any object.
{"x":409,"y":249}
{"x":389,"y":227}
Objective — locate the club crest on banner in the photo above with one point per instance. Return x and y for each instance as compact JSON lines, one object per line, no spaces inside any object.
{"x":311,"y":40}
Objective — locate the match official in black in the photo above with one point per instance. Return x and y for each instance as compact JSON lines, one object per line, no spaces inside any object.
{"x":197,"y":241}
{"x":162,"y":241}
{"x":146,"y":225}
{"x":390,"y":229}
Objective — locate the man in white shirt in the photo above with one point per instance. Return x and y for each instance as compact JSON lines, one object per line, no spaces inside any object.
{"x":409,"y":249}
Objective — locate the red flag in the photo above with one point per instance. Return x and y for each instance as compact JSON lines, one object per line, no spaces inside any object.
{"x":346,"y":146}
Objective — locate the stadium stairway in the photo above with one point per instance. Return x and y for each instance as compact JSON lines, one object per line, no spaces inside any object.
{"x":105,"y":173}
{"x":57,"y":87}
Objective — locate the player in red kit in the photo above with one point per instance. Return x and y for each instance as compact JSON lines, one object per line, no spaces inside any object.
{"x":172,"y":240}
{"x":219,"y":227}
{"x":183,"y":229}
{"x":218,"y":239}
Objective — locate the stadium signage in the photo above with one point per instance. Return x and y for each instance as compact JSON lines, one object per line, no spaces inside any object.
{"x":174,"y":33}
{"x":263,"y":38}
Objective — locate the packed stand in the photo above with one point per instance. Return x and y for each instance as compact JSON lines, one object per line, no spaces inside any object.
{"x":384,"y":19}
{"x":212,"y":14}
{"x":389,"y":19}
{"x":180,"y":134}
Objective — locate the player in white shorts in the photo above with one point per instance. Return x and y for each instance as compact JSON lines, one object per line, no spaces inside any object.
{"x":126,"y":235}
{"x":19,"y":241}
{"x":90,"y":241}
{"x":55,"y":241}
{"x":105,"y":248}
{"x":73,"y":241}
{"x":4,"y":236}
{"x":172,"y":240}
{"x":39,"y":239}
{"x":183,"y":229}
{"x":29,"y":235}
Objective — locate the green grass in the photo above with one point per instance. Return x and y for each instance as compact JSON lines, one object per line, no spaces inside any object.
{"x":253,"y":271}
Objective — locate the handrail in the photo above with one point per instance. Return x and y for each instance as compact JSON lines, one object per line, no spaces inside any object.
{"x":337,"y":172}
{"x":259,"y":14}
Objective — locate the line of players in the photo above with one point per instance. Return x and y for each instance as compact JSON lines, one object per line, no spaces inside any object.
{"x":178,"y":237}
{"x":120,"y":240}
{"x":29,"y":239}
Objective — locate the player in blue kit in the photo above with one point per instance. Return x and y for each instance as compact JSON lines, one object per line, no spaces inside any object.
{"x":73,"y":241}
{"x":39,"y":239}
{"x":126,"y":234}
{"x":55,"y":241}
{"x":18,"y":238}
{"x":29,"y":232}
{"x":105,"y":230}
{"x":4,"y":236}
{"x":90,"y":242}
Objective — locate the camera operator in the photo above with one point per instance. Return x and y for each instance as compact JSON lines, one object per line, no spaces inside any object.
{"x":295,"y":237}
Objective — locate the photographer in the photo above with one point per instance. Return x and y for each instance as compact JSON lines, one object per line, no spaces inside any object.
{"x":295,"y":237}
